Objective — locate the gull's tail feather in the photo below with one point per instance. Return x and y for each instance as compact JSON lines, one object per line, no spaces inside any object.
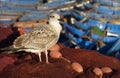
{"x":9,"y":48}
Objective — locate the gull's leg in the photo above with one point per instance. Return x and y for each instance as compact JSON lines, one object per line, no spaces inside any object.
{"x":46,"y":54}
{"x":39,"y":54}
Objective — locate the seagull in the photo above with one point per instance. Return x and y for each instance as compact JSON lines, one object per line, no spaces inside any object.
{"x":41,"y":38}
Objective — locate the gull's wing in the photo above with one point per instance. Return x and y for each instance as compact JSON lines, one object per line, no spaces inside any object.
{"x":18,"y":43}
{"x":42,"y":37}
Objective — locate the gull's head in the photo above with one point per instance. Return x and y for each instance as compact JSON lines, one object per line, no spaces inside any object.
{"x":54,"y":16}
{"x":54,"y":20}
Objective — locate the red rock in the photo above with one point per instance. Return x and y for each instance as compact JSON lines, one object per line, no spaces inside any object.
{"x":58,"y":68}
{"x":4,"y":61}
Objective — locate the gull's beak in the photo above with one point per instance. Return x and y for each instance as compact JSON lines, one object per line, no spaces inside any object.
{"x":61,"y":21}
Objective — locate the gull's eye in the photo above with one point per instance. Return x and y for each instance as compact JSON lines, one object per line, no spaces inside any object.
{"x":51,"y":16}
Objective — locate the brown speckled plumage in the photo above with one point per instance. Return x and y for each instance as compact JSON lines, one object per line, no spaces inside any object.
{"x":40,"y":38}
